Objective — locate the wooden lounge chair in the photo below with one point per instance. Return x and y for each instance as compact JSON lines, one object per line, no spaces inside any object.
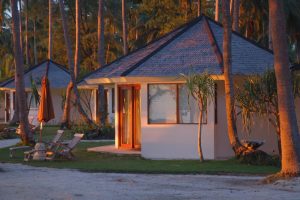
{"x":64,"y":150}
{"x":50,"y":145}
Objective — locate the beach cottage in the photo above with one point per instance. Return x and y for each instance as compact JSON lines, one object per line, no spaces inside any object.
{"x":59,"y":78}
{"x":153,"y":113}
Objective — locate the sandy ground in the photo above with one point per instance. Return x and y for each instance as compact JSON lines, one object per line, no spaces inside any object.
{"x":24,"y":182}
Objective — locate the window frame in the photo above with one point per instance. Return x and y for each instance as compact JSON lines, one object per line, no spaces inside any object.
{"x":177,"y":107}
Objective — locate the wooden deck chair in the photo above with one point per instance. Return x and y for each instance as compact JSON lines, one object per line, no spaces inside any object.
{"x":49,"y":145}
{"x":64,"y":150}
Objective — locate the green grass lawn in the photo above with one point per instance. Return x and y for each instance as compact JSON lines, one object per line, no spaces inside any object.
{"x":101,"y":162}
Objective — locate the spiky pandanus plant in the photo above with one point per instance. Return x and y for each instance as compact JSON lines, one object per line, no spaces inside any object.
{"x":258,"y":96}
{"x":202,"y":88}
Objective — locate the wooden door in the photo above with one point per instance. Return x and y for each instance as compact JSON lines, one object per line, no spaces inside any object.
{"x":129,"y":117}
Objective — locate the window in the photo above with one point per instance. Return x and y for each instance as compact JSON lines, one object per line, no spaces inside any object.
{"x":170,"y":103}
{"x":162,"y":103}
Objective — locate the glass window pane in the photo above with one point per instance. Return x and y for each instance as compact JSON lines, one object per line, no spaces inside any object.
{"x":188,"y":108}
{"x":162,"y":103}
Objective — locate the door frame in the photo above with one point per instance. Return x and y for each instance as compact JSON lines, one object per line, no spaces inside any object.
{"x":133,"y":88}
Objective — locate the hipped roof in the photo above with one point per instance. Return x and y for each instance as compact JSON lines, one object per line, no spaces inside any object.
{"x":197,"y":47}
{"x":58,"y":76}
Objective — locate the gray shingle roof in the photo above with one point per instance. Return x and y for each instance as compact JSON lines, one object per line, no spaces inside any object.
{"x":58,"y":76}
{"x":197,"y":47}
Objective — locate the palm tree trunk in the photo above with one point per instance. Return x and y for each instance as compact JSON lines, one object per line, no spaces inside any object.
{"x":290,"y":138}
{"x":20,"y":24}
{"x":199,"y":8}
{"x":270,"y":32}
{"x":236,"y":15}
{"x":50,"y":31}
{"x":101,"y":112}
{"x":77,"y":41}
{"x":1,"y":15}
{"x":34,"y":43}
{"x":231,"y":7}
{"x":228,"y":79}
{"x":101,"y":58}
{"x":26,"y":34}
{"x":72,"y":84}
{"x":200,"y":133}
{"x":217,"y":10}
{"x":19,"y":76}
{"x":125,"y":46}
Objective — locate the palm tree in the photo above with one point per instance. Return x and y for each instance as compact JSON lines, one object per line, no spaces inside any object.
{"x":72,"y":67}
{"x":229,"y":93}
{"x":290,"y":139}
{"x":20,"y":24}
{"x":201,"y":88}
{"x":19,"y":76}
{"x":26,"y":34}
{"x":101,"y":61}
{"x":124,"y":25}
{"x":236,"y":15}
{"x":217,"y":10}
{"x":50,"y":31}
{"x":199,"y":7}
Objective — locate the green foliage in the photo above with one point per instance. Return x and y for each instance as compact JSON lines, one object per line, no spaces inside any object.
{"x":35,"y":92}
{"x":201,"y":87}
{"x":258,"y":96}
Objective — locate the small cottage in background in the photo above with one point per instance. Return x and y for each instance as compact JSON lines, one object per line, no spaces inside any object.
{"x":59,"y":78}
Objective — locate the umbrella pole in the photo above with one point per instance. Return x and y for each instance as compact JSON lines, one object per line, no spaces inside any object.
{"x":41,"y":129}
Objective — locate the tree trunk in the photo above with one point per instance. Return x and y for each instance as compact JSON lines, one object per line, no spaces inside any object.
{"x":101,"y":112}
{"x":72,"y":84}
{"x":217,"y":10}
{"x":34,"y":43}
{"x":77,"y":41}
{"x":236,"y":15}
{"x":1,"y":15}
{"x":50,"y":31}
{"x":231,"y":7}
{"x":26,"y":34}
{"x":270,"y":32}
{"x":125,"y":46}
{"x":25,"y":132}
{"x":229,"y":92}
{"x":200,"y":133}
{"x":290,"y":138}
{"x":101,"y":58}
{"x":20,"y":25}
{"x":199,"y":8}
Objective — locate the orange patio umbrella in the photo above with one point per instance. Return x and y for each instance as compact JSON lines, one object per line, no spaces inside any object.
{"x":46,"y":111}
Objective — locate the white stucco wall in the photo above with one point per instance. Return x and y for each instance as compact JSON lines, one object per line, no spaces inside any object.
{"x":172,"y":141}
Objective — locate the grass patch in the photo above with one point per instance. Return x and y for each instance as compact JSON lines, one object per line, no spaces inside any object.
{"x":101,"y":162}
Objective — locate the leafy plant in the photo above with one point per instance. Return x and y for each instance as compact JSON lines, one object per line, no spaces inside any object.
{"x":201,"y":88}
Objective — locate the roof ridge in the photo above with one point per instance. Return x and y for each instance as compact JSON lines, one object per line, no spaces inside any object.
{"x":188,"y":26}
{"x":214,"y":44}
